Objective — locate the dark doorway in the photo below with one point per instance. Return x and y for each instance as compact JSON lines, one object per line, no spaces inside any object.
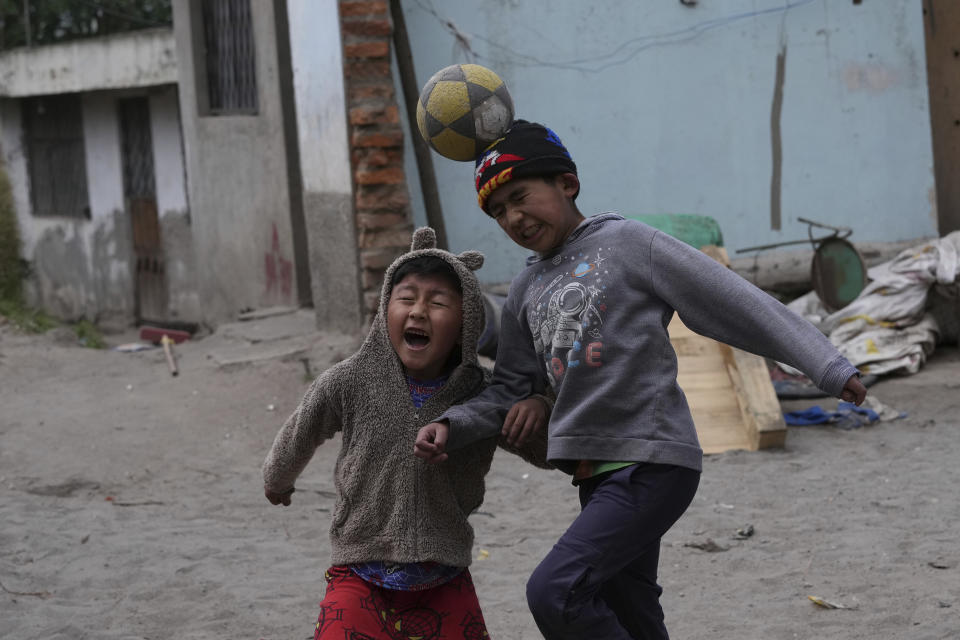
{"x":140,"y":195}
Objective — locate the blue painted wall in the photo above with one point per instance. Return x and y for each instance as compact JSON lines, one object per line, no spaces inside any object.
{"x":667,"y":109}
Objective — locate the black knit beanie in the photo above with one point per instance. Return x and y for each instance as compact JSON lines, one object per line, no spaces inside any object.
{"x":526,"y":149}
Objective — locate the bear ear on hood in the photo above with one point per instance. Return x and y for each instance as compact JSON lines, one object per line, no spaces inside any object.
{"x":473,"y":260}
{"x":424,"y":238}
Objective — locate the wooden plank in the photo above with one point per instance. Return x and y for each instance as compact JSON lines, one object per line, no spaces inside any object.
{"x":731,"y":398}
{"x":758,"y":399}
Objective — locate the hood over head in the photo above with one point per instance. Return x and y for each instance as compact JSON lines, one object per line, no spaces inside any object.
{"x":425,"y":244}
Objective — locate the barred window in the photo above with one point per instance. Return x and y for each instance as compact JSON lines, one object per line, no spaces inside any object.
{"x":53,"y":138}
{"x":231,"y":81}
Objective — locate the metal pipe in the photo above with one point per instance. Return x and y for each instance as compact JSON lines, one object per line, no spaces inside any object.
{"x":408,"y":82}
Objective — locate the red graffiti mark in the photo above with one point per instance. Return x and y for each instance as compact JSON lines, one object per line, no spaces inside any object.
{"x":278,"y":270}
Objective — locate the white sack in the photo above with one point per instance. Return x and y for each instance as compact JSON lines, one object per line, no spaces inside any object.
{"x":887,"y":327}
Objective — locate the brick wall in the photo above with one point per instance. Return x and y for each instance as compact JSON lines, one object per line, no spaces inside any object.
{"x":381,"y":202}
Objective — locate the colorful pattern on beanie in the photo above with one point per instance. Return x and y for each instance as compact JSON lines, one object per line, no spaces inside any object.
{"x":493,"y":158}
{"x":555,"y":139}
{"x":527,"y":149}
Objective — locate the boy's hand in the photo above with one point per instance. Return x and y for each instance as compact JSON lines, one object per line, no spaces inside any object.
{"x":279,"y":498}
{"x":853,"y":391}
{"x":523,"y":420}
{"x":431,"y":441}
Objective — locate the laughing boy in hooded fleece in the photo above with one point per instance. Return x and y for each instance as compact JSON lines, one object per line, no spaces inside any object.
{"x":400,"y":537}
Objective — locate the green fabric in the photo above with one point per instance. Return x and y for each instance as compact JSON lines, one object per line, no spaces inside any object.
{"x":695,"y":230}
{"x":603,"y":467}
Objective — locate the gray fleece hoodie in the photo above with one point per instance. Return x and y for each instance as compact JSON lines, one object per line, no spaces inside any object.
{"x":391,"y":505}
{"x":589,"y":319}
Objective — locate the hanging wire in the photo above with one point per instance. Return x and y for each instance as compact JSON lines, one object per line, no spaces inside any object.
{"x":621,"y":54}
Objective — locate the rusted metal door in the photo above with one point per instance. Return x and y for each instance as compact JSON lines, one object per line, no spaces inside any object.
{"x":139,"y":186}
{"x":942,"y":25}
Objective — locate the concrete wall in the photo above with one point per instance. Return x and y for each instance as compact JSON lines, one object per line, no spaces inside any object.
{"x":325,"y":162}
{"x":79,"y":268}
{"x":173,"y":209}
{"x":674,"y":109}
{"x":84,"y":268}
{"x":237,"y":185}
{"x":135,"y":59}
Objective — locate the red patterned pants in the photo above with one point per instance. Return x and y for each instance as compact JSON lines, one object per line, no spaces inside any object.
{"x":354,"y":609}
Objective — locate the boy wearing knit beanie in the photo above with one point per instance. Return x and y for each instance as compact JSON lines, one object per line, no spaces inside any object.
{"x":588,"y":318}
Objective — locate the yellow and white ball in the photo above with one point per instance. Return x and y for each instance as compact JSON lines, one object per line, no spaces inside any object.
{"x":463,"y":109}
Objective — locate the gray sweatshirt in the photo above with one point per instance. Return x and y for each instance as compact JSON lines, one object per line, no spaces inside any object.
{"x":589,"y":320}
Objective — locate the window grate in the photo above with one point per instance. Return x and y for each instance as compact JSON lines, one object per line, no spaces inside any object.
{"x":230,"y":56}
{"x":138,"y":180}
{"x":53,"y":137}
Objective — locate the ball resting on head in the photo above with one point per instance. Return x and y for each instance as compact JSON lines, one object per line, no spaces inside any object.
{"x":463,"y":109}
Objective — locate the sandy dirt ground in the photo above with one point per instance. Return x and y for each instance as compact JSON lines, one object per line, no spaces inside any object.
{"x":131,"y":506}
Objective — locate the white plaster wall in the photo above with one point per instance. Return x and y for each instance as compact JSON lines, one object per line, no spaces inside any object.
{"x":101,"y":134}
{"x":320,"y":100}
{"x":176,"y":230}
{"x":322,"y":140}
{"x":84,"y":267}
{"x":168,"y":151}
{"x":80,"y":267}
{"x":104,"y":178}
{"x":237,"y":183}
{"x":667,"y":109}
{"x":134,"y":59}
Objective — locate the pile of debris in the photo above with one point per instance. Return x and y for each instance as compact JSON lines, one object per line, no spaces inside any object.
{"x":911,"y":305}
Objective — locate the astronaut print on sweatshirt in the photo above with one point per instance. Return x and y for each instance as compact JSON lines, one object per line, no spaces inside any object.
{"x":566,"y":304}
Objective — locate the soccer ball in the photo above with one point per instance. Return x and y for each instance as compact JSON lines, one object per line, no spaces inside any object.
{"x":462,"y":110}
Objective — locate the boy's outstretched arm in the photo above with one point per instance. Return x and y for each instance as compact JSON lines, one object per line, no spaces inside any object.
{"x":715,"y":302}
{"x":315,"y":420}
{"x":517,"y":375}
{"x":525,"y":421}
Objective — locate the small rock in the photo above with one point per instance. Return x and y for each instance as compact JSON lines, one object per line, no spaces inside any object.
{"x":745,"y":532}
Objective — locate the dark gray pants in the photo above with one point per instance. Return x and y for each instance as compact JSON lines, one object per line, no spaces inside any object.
{"x":600,"y":579}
